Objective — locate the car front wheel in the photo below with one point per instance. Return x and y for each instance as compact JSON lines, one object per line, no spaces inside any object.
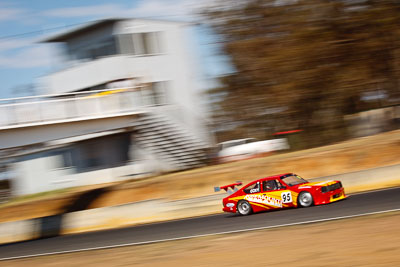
{"x":305,"y":199}
{"x":244,"y":207}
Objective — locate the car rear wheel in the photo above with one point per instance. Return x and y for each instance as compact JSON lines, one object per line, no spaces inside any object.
{"x":244,"y":207}
{"x":305,"y":199}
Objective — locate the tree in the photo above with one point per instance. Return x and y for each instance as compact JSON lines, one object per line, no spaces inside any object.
{"x":304,"y":64}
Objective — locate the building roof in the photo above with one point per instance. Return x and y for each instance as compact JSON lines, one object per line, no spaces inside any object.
{"x":87,"y":27}
{"x":62,"y":37}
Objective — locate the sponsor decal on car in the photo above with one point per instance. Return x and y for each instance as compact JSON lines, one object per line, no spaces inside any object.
{"x":254,"y":190}
{"x":321,"y":183}
{"x":302,"y":187}
{"x":264,"y":199}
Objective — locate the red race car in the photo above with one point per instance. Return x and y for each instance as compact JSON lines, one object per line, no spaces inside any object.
{"x":280,"y":191}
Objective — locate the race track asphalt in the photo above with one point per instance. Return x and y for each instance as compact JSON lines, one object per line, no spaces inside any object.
{"x":368,"y":202}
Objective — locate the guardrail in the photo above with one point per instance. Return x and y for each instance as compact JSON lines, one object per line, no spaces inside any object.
{"x":53,"y":108}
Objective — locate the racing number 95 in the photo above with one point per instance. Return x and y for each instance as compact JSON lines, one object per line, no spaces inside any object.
{"x":286,"y":197}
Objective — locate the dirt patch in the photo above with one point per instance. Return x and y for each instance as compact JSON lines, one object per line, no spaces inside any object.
{"x":358,"y":154}
{"x":366,"y":241}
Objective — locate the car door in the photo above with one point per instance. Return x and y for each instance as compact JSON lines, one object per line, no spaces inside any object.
{"x":254,"y":196}
{"x":276,"y":194}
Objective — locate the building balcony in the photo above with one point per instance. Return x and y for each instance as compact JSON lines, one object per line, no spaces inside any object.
{"x":47,"y":109}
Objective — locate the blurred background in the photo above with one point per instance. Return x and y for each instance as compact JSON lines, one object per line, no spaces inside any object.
{"x":329,"y":68}
{"x":130,"y":112}
{"x":97,"y":93}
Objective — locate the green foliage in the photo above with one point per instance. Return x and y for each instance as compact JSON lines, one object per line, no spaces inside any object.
{"x":304,"y":64}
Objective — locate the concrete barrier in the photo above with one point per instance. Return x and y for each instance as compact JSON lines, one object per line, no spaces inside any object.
{"x":369,"y":179}
{"x":17,"y":231}
{"x":157,"y":210}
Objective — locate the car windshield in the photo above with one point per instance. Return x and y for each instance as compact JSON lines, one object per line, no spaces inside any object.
{"x":232,"y":143}
{"x":292,"y":179}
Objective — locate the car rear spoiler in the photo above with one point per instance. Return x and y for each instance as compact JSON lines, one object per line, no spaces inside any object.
{"x":227,"y":187}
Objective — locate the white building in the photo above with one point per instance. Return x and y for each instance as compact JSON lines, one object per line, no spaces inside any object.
{"x":125,"y":105}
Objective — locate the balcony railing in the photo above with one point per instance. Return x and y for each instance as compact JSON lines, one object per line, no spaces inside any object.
{"x":72,"y":106}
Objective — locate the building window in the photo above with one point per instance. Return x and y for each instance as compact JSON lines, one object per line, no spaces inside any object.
{"x":60,"y":159}
{"x":126,"y":43}
{"x":152,"y":43}
{"x":101,"y":48}
{"x":67,"y":159}
{"x":146,"y":43}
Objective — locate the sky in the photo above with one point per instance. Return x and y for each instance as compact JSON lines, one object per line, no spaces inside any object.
{"x":24,"y":22}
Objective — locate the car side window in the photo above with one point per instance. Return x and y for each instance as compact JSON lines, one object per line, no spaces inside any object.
{"x":270,"y":185}
{"x":253,"y":188}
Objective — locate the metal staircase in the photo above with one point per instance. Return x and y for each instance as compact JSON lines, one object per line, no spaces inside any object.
{"x":169,"y":141}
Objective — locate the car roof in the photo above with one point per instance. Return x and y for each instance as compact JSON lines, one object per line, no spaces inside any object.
{"x":268,"y":178}
{"x":276,"y":176}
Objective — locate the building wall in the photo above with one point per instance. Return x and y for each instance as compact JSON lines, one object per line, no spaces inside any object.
{"x":40,"y":172}
{"x":95,"y":161}
{"x":171,"y":64}
{"x":152,"y":67}
{"x":178,"y":70}
{"x":165,"y":65}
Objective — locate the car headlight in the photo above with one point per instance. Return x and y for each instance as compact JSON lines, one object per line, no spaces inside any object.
{"x":230,"y":205}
